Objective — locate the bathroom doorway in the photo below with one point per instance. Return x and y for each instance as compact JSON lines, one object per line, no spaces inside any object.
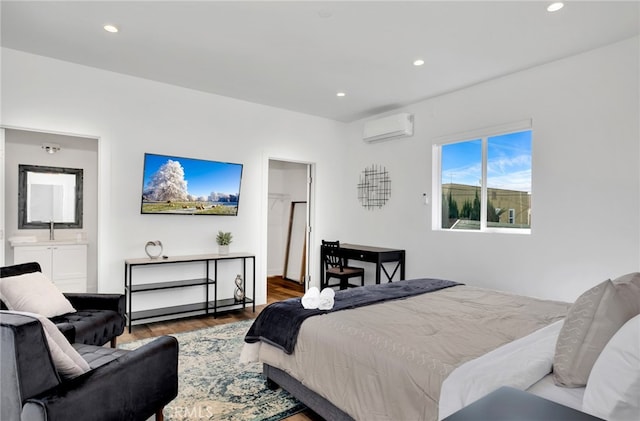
{"x":24,"y":146}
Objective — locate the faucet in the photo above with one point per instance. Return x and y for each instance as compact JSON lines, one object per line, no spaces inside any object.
{"x":51,"y":234}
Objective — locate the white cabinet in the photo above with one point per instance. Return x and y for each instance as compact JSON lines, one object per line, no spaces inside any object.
{"x":64,"y":264}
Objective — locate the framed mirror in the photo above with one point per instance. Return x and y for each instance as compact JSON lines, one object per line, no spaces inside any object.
{"x":49,"y":194}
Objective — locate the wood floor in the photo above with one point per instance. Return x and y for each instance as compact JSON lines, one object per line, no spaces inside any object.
{"x":277,"y":289}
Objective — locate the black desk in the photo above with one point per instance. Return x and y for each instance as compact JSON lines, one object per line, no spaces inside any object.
{"x":509,"y":404}
{"x":377,"y":255}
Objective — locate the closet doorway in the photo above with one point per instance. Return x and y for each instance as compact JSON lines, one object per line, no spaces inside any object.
{"x":288,"y":225}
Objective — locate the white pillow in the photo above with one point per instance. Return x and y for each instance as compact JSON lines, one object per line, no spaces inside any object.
{"x":66,"y":359}
{"x":34,"y":293}
{"x":613,"y":388}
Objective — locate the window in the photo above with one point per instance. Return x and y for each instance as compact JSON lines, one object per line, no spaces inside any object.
{"x":483,"y":180}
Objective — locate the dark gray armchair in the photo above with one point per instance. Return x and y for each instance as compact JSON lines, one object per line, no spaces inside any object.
{"x":99,"y":319}
{"x":121,"y":385}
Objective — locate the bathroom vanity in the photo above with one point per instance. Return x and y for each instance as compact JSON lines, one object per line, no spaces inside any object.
{"x":62,"y":261}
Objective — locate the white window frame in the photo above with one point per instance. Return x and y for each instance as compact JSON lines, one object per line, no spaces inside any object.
{"x":436,"y":187}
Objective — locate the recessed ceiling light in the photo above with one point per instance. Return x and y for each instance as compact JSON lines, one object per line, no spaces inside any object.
{"x":110,"y":28}
{"x":554,"y":7}
{"x":418,"y":62}
{"x":341,"y":94}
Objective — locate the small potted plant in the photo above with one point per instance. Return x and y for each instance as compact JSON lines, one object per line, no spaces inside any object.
{"x":223,"y":239}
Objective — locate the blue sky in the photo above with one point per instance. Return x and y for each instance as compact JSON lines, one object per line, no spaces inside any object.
{"x":203,"y":177}
{"x":508,"y":162}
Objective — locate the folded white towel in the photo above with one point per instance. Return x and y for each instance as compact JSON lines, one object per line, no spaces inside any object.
{"x":311,"y":298}
{"x":326,"y":299}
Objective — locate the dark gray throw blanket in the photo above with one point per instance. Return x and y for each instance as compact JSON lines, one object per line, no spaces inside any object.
{"x":279,"y":323}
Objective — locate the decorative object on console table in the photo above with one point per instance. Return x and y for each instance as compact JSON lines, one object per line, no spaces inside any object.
{"x":153,"y":249}
{"x":223,"y":239}
{"x":238,"y":294}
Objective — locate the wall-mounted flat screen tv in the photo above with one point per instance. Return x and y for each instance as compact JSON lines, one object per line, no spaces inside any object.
{"x":189,"y":186}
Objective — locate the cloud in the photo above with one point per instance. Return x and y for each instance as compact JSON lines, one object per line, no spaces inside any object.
{"x":510,"y":173}
{"x":519,"y":180}
{"x":470,"y":175}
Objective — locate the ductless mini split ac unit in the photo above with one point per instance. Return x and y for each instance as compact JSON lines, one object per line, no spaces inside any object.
{"x":390,"y":127}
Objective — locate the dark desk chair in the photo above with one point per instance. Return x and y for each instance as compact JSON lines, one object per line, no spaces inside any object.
{"x":335,"y":267}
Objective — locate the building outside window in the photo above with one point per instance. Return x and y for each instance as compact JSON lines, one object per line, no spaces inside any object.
{"x":483,"y":180}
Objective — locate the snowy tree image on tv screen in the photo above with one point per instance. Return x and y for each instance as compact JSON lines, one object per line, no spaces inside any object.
{"x":175,"y":185}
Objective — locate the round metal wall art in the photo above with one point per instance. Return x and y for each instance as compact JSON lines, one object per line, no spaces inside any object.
{"x":374,"y":188}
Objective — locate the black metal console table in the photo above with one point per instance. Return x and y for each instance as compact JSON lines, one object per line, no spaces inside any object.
{"x":377,"y":255}
{"x":204,"y":307}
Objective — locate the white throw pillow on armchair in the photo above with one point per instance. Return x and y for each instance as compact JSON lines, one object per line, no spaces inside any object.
{"x":34,"y":293}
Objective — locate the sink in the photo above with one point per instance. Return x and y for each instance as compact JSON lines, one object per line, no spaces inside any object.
{"x":23,"y":239}
{"x":32,"y":241}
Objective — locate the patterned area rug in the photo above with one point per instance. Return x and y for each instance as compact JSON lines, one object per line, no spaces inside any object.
{"x":213,"y":385}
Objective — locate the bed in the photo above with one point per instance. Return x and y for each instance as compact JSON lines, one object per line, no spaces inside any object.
{"x":421,"y":357}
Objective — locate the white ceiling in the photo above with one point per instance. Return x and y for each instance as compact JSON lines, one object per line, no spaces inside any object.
{"x":297,"y":54}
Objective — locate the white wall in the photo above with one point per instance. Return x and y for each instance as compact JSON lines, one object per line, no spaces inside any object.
{"x":586,"y":184}
{"x":24,"y":147}
{"x":132,"y":116}
{"x":586,"y":155}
